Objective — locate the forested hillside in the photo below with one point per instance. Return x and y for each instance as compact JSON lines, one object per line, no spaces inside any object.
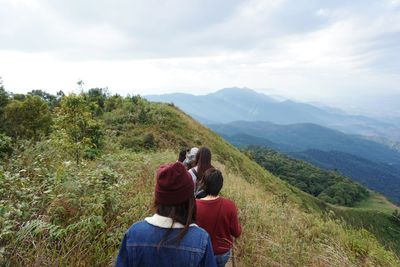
{"x":77,"y":170}
{"x":372,"y":164}
{"x":326,"y":185}
{"x":381,"y":177}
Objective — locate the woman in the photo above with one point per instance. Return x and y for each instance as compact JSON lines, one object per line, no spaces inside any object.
{"x":218,"y":216}
{"x":202,"y":164}
{"x":169,"y":237}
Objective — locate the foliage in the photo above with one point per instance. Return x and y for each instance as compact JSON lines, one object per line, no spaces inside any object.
{"x":30,"y":118}
{"x":359,"y":169}
{"x":113,"y":102}
{"x":396,"y":216}
{"x":148,"y":141}
{"x":19,"y":97}
{"x":96,"y":98}
{"x":4,"y":97}
{"x":76,"y":130}
{"x":326,"y":185}
{"x":5,"y":145}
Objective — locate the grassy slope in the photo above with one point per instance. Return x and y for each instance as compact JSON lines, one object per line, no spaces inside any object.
{"x":84,"y":215}
{"x":374,"y":214}
{"x":377,"y":202}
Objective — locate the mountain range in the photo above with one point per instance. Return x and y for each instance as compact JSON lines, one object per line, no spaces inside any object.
{"x":304,"y":136}
{"x":233,"y":104}
{"x":370,"y":163}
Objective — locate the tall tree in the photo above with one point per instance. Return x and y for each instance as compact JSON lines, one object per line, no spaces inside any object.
{"x":75,"y":128}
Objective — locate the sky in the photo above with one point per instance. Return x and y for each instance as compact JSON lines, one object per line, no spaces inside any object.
{"x":342,"y":53}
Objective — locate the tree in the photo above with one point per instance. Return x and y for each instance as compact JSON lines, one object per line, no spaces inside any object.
{"x":113,"y":102}
{"x":30,"y":118}
{"x":51,"y":100}
{"x":4,"y":96}
{"x":96,"y":98}
{"x":4,"y":99}
{"x":75,"y":129}
{"x":20,"y":97}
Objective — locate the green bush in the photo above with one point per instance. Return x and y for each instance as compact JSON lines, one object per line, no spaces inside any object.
{"x":27,"y":119}
{"x":5,"y":145}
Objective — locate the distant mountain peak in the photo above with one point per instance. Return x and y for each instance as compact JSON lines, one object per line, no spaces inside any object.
{"x":240,"y":93}
{"x":235,"y":89}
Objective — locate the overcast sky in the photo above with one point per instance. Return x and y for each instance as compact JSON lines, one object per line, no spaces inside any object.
{"x":327,"y":51}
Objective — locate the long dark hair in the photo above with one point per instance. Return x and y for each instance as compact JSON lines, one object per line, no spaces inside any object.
{"x":203,"y":162}
{"x":184,"y":213}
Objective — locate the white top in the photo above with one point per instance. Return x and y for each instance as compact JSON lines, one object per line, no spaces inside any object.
{"x":194,"y":178}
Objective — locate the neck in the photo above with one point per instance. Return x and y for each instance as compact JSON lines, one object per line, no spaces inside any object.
{"x":210,"y":197}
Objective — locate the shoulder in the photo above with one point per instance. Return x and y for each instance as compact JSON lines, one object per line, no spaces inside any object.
{"x":195,"y":232}
{"x":228,"y":203}
{"x":138,"y":227}
{"x":199,"y":201}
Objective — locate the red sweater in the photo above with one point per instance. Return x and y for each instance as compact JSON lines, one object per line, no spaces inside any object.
{"x":219,"y":218}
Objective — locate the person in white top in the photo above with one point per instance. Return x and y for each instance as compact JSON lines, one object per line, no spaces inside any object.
{"x":190,"y":158}
{"x":202,"y":164}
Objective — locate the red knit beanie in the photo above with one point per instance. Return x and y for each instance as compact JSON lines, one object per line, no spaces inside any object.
{"x":174,"y":184}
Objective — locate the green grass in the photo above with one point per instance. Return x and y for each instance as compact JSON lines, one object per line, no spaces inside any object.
{"x":377,"y":202}
{"x":375,"y":215}
{"x":380,"y":224}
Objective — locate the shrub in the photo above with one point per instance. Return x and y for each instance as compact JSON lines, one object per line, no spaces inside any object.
{"x":30,"y":118}
{"x":5,"y":145}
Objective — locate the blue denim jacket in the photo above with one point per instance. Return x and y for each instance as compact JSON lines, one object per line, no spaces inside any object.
{"x":140,"y":245}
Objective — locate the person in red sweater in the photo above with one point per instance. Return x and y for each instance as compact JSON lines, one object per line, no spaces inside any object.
{"x":218,"y":216}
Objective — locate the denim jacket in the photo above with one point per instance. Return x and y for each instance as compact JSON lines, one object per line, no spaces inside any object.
{"x":140,"y":245}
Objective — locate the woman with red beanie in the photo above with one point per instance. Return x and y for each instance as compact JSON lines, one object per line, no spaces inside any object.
{"x":169,"y":237}
{"x":218,"y":216}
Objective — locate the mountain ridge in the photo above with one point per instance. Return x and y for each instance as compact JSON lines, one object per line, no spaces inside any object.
{"x":309,"y":135}
{"x":383,"y":177}
{"x":232,"y":104}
